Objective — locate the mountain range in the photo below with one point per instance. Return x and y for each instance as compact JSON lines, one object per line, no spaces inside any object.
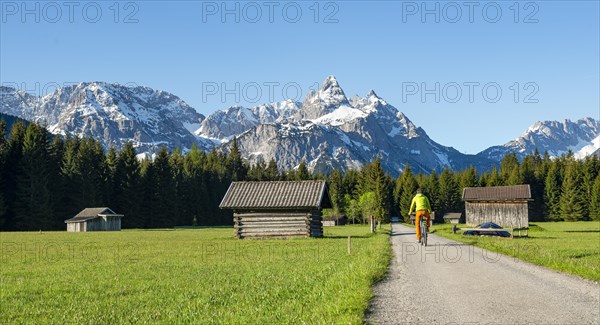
{"x":327,"y":130}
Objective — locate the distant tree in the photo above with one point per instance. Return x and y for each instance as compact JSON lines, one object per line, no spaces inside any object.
{"x":12,"y":172}
{"x":33,"y":206}
{"x":571,"y":200}
{"x":409,"y":187}
{"x":127,"y":182}
{"x":272,"y":171}
{"x":432,"y":190}
{"x":164,"y":191}
{"x":589,"y":170}
{"x":257,"y":172}
{"x":235,"y":164}
{"x":371,"y":209}
{"x":552,"y":193}
{"x":336,"y":191}
{"x":449,"y":199}
{"x":494,"y":178}
{"x":352,"y":208}
{"x":595,"y":201}
{"x":302,"y":172}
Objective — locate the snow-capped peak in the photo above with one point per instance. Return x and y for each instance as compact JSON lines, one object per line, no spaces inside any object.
{"x":331,"y":92}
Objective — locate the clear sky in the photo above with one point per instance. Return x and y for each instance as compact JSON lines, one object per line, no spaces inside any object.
{"x":543,"y":56}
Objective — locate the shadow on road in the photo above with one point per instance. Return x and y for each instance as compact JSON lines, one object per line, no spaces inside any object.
{"x":403,"y":233}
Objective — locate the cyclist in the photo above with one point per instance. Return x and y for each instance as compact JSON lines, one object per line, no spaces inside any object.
{"x":420,"y":203}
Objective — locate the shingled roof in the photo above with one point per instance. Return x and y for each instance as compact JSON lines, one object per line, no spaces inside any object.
{"x":276,"y":195}
{"x":92,"y":213}
{"x":497,"y":193}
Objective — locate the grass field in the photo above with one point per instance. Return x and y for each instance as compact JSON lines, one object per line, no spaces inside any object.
{"x":188,"y":276}
{"x":572,"y":247}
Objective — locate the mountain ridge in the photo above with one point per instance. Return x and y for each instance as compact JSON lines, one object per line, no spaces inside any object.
{"x":327,"y":129}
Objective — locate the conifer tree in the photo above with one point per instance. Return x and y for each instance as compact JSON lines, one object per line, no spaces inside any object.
{"x":272,"y":171}
{"x":33,"y":206}
{"x":409,"y":187}
{"x":449,"y":199}
{"x":595,"y":201}
{"x":336,"y":191}
{"x":552,"y":192}
{"x":571,"y":200}
{"x":302,"y":172}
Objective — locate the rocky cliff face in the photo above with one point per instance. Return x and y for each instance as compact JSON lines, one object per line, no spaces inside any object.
{"x":112,"y":114}
{"x":327,"y":130}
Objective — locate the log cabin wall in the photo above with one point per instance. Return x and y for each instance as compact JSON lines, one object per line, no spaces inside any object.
{"x":277,"y":224}
{"x":506,"y":214}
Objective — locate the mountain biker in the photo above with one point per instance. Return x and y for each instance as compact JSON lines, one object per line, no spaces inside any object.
{"x":420,"y":203}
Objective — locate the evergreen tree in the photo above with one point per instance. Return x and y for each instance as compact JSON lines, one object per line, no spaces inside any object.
{"x":272,"y":171}
{"x":571,"y":200}
{"x":302,"y":172}
{"x":508,"y":164}
{"x":110,"y":176}
{"x":3,"y":153}
{"x":127,"y":178}
{"x":515,"y":177}
{"x":90,"y":170}
{"x":56,"y":152}
{"x":235,"y":164}
{"x":432,"y":190}
{"x":589,"y":171}
{"x":373,"y":179}
{"x":449,"y":199}
{"x":494,"y":179}
{"x":12,"y":172}
{"x":552,"y":192}
{"x":336,"y":191}
{"x":469,"y":178}
{"x":164,"y":191}
{"x":179,"y":210}
{"x":409,"y":187}
{"x":595,"y":201}
{"x":33,"y":206}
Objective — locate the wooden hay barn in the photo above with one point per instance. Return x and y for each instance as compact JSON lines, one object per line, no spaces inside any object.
{"x":280,"y":209}
{"x":94,"y":219}
{"x":507,"y":206}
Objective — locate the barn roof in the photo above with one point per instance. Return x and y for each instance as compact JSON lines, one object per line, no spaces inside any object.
{"x":276,"y":195}
{"x":92,"y":213}
{"x":497,"y":193}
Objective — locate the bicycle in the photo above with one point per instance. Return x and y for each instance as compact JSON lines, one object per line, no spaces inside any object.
{"x":424,"y":230}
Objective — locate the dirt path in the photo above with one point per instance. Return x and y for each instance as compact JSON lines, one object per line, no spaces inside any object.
{"x":451,"y":282}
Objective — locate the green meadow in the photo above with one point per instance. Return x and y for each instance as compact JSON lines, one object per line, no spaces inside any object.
{"x":188,"y":276}
{"x":571,"y":247}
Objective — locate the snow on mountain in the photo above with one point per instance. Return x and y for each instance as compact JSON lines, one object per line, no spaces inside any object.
{"x":328,"y":131}
{"x":224,"y":124}
{"x":581,"y":137}
{"x":111,"y":113}
{"x":589,"y":149}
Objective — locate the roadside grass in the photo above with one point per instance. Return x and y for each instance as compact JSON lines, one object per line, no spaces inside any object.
{"x":571,"y":247}
{"x":188,"y":276}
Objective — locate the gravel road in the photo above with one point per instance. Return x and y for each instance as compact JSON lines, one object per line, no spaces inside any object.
{"x":451,"y":282}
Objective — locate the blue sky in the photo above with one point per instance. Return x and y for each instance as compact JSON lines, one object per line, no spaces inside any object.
{"x":549,"y":50}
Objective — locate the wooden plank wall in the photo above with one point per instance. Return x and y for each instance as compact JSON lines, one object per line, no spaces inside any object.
{"x":98,"y":224}
{"x":506,"y":214}
{"x":277,"y":224}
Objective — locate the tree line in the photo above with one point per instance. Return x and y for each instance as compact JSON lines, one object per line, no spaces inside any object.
{"x":562,"y":189}
{"x":46,"y":179}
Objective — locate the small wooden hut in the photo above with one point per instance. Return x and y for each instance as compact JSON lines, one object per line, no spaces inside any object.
{"x":95,"y":219}
{"x":507,"y":206}
{"x":280,"y":209}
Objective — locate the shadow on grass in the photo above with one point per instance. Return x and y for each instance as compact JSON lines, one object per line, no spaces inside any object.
{"x":588,"y":230}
